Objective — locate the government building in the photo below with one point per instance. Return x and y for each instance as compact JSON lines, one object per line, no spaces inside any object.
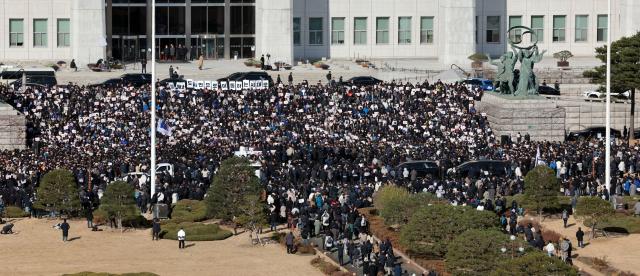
{"x":294,"y":30}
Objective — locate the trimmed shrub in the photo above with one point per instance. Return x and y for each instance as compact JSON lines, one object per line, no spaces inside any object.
{"x":551,"y":236}
{"x":475,"y":252}
{"x":194,"y":231}
{"x":396,"y":205}
{"x":14,"y":212}
{"x":534,"y":263}
{"x":432,"y":228}
{"x":187,"y":210}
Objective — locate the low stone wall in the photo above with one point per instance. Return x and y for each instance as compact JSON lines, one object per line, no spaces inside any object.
{"x":539,"y":117}
{"x":12,"y":128}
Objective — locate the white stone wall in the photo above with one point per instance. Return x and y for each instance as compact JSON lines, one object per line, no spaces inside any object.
{"x":85,"y":23}
{"x":306,"y":9}
{"x":625,"y":21}
{"x":88,"y":35}
{"x":274,"y":23}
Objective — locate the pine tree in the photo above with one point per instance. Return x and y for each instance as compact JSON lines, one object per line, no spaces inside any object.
{"x":118,"y":201}
{"x":58,"y":192}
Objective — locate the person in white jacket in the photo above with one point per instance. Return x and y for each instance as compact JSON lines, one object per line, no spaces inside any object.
{"x":551,"y":249}
{"x":182,"y":236}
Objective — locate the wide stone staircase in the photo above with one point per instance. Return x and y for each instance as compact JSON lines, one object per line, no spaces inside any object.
{"x":12,"y":128}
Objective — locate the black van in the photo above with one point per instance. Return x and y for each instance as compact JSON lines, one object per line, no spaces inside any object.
{"x":423,"y":168}
{"x":473,"y":168}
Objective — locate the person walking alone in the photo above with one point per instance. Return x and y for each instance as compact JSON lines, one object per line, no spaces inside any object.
{"x":143,"y":65}
{"x":289,"y":242}
{"x":580,"y":237}
{"x":181,"y":238}
{"x":565,"y":217}
{"x":155,"y":230}
{"x":64,"y":226}
{"x":200,"y":62}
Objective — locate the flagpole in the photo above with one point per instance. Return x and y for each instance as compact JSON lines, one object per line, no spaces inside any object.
{"x":607,"y":160}
{"x":153,"y":102}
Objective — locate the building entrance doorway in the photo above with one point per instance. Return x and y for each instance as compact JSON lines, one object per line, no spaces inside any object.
{"x":210,"y":46}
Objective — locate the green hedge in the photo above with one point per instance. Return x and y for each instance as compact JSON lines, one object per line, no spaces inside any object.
{"x":194,"y":231}
{"x":14,"y":212}
{"x":617,"y":222}
{"x":189,"y":211}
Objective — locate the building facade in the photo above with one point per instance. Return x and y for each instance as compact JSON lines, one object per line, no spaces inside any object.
{"x":295,"y":30}
{"x":41,"y":30}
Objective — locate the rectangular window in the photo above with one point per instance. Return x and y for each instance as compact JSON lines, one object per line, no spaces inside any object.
{"x":515,"y":35}
{"x":296,"y":31}
{"x":16,"y":32}
{"x":426,"y":30}
{"x":537,"y":25}
{"x":360,"y":30}
{"x":337,"y":30}
{"x":40,"y":33}
{"x":382,"y":30}
{"x":582,"y":28}
{"x":64,"y":33}
{"x":404,"y":30}
{"x":315,"y":31}
{"x":603,"y":27}
{"x":559,"y":23}
{"x":493,"y":29}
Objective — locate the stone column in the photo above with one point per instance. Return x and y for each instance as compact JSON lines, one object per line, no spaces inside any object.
{"x":274,"y":29}
{"x":458,"y":24}
{"x":88,"y":31}
{"x":227,"y":29}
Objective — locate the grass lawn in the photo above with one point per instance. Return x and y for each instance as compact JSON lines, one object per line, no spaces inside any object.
{"x":194,"y":231}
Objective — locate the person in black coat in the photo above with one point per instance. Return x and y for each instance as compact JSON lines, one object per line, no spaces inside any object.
{"x":89,"y":216}
{"x":64,"y":226}
{"x":289,"y":242}
{"x":73,"y":65}
{"x":155,"y":230}
{"x":580,"y":237}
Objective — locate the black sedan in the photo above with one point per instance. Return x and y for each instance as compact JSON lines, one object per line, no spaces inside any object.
{"x":363,"y":81}
{"x":591,"y":132}
{"x":166,"y":81}
{"x":136,"y":79}
{"x":546,"y":90}
{"x":423,"y":168}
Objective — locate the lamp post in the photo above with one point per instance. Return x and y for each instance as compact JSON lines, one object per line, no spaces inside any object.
{"x":512,"y":246}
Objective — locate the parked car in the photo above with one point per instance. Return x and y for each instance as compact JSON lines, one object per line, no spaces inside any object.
{"x":592,"y":95}
{"x":485,"y":84}
{"x":474,"y":168}
{"x":256,"y":75}
{"x":36,"y":80}
{"x":166,"y":81}
{"x":591,"y":132}
{"x":547,"y":90}
{"x":137,"y":79}
{"x":422,"y":167}
{"x":363,"y":81}
{"x":109,"y":82}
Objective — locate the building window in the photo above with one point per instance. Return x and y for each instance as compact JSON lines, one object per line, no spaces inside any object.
{"x":337,"y":30}
{"x":404,"y":30}
{"x":515,"y":35}
{"x":360,"y":30}
{"x":16,"y":32}
{"x":493,"y":29}
{"x":382,"y":30}
{"x":296,"y":31}
{"x":537,"y":25}
{"x":243,"y":19}
{"x":64,"y":33}
{"x":603,"y":27}
{"x":40,"y":33}
{"x":426,"y":30}
{"x":582,"y":28}
{"x":559,"y":22}
{"x":315,"y":31}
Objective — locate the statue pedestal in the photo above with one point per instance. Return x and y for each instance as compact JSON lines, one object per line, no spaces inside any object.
{"x":13,"y":130}
{"x":541,"y":118}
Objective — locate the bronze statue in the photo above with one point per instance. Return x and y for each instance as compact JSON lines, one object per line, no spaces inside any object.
{"x":528,"y":56}
{"x":504,"y":74}
{"x":528,"y":83}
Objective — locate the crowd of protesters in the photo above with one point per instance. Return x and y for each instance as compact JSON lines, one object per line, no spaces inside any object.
{"x":322,"y":150}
